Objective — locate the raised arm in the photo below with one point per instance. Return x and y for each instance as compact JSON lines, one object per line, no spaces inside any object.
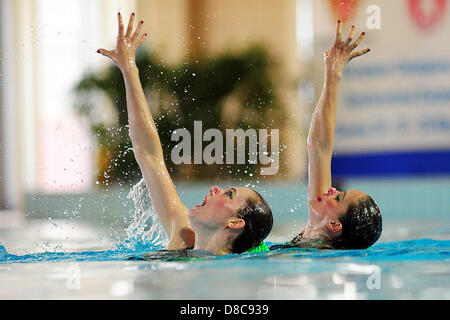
{"x":145,"y":139}
{"x":321,"y":133}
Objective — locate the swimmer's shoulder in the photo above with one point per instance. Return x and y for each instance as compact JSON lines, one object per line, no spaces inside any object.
{"x":286,"y":245}
{"x":182,"y":238}
{"x":174,"y":255}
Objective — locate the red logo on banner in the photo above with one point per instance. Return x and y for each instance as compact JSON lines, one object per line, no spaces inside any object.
{"x":343,"y":9}
{"x":427,"y":13}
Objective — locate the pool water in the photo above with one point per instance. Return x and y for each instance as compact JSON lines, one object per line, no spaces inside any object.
{"x":412,"y":269}
{"x":73,"y":258}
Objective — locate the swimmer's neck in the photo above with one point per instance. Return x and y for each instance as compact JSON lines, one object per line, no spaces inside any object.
{"x":215,"y":242}
{"x":315,"y":230}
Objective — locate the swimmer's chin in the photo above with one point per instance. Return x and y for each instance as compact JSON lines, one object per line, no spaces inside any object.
{"x":195,"y":210}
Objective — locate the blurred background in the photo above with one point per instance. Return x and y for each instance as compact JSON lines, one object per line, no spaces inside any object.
{"x":66,"y":167}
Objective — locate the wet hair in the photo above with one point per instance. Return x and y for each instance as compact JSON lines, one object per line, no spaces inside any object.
{"x":258,"y":224}
{"x":361,"y":225}
{"x":361,"y":228}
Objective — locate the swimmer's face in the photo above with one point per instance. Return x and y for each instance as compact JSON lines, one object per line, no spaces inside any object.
{"x":332,"y":205}
{"x":219,"y":205}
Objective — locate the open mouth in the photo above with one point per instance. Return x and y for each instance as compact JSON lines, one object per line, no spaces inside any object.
{"x":330,"y":192}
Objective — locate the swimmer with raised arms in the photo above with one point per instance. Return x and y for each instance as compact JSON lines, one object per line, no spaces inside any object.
{"x":231,"y":220}
{"x":337,"y":219}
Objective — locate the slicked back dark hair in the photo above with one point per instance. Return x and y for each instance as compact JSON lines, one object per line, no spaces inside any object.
{"x":258,"y":224}
{"x":361,"y":228}
{"x":361,"y":225}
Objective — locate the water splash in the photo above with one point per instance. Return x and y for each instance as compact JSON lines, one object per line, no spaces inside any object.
{"x":146,"y":230}
{"x":3,"y":253}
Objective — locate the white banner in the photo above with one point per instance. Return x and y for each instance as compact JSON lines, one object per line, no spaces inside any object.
{"x":396,"y":97}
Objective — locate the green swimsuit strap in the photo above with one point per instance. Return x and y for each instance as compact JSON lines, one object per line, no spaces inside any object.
{"x":261,"y":248}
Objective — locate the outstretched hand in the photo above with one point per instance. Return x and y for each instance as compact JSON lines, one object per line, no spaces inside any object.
{"x":341,"y":52}
{"x":124,"y":53}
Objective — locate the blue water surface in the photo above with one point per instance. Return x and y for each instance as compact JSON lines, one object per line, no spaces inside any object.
{"x":409,"y":250}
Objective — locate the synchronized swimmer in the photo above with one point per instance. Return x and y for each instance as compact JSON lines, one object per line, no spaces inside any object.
{"x":238,"y":219}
